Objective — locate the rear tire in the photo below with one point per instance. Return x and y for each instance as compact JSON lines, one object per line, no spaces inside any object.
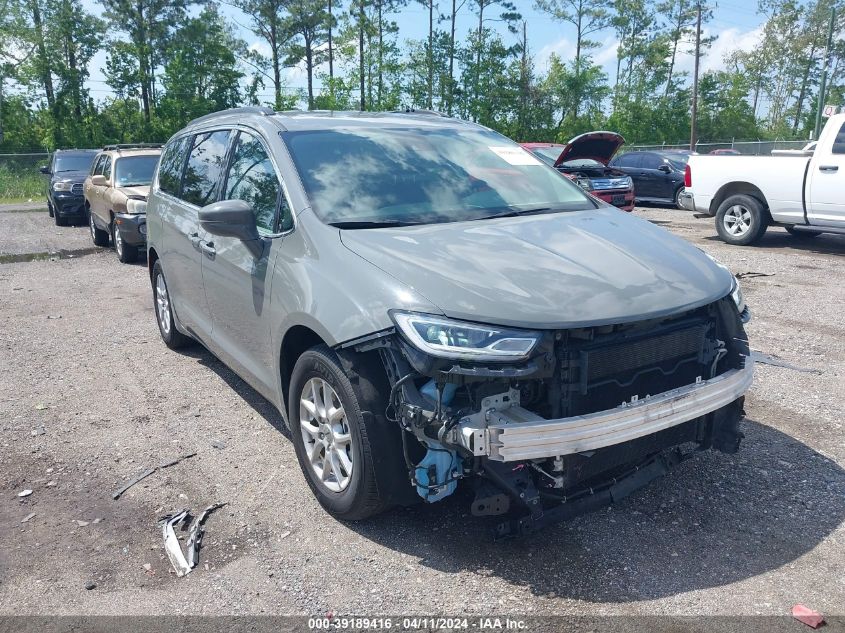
{"x":172,"y":337}
{"x":677,"y":197}
{"x":741,"y":220}
{"x":800,"y":234}
{"x":352,"y":460}
{"x":98,"y":236}
{"x":126,"y":253}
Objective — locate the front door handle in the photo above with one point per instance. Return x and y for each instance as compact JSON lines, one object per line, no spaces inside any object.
{"x":208,"y":249}
{"x":195,"y":239}
{"x":829,"y":168}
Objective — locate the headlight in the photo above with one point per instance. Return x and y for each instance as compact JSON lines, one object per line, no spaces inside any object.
{"x":459,"y":340}
{"x":736,"y":295}
{"x":133,"y":205}
{"x":63,"y":185}
{"x":585,"y":183}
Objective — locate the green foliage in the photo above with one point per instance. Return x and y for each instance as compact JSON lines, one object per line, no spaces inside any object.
{"x":168,"y":61}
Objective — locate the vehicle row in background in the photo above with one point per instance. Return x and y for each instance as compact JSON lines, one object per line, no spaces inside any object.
{"x":116,"y":197}
{"x":806,"y":195}
{"x":585,"y":160}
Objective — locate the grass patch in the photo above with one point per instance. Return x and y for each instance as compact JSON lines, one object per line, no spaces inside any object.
{"x":20,"y":182}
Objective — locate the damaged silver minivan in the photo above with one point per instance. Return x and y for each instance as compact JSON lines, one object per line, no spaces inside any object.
{"x":430,"y":305}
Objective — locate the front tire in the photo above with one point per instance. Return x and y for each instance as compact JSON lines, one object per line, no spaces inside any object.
{"x":49,"y":209}
{"x":741,"y":220}
{"x":350,"y":453}
{"x":172,"y":337}
{"x":126,"y":253}
{"x":98,"y":236}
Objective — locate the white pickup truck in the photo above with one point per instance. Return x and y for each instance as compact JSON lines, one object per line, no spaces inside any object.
{"x":804,"y":194}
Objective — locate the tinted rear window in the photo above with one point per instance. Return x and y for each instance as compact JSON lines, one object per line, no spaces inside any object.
{"x":202,"y":174}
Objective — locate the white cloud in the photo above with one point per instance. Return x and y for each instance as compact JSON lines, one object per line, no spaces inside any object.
{"x":564,"y":48}
{"x":729,"y":41}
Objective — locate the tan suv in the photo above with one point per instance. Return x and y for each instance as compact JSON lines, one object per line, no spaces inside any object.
{"x":116,"y":197}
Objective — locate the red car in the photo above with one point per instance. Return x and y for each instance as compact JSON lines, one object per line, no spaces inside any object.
{"x":585,"y":160}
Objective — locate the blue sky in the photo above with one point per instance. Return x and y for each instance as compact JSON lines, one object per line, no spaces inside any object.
{"x":736,"y":23}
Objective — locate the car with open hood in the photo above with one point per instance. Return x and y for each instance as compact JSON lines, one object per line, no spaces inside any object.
{"x":428,"y":304}
{"x":116,"y":197}
{"x":585,"y":160}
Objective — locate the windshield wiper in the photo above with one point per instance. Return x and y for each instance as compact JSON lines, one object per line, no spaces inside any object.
{"x":369,"y":224}
{"x":513,"y":213}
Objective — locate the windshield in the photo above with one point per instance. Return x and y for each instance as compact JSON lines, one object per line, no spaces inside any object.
{"x":548,"y":154}
{"x":73,"y":162}
{"x":419,"y":176}
{"x":132,"y":171}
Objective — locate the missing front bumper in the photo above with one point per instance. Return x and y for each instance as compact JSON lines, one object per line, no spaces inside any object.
{"x":506,"y":432}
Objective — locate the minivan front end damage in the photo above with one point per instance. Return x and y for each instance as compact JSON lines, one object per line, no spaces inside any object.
{"x":557,"y":423}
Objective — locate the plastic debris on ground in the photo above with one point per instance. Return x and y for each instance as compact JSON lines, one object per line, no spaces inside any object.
{"x":807,"y":616}
{"x":117,"y":494}
{"x":182,"y":565}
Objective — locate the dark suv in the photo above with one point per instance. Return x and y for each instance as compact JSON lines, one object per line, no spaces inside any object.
{"x":67,"y":171}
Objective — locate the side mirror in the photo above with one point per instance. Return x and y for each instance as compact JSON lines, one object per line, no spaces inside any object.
{"x":665,"y":169}
{"x":44,"y":169}
{"x":232,"y":218}
{"x":99,"y":180}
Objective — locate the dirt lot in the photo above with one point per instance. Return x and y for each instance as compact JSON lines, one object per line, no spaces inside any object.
{"x":90,"y":397}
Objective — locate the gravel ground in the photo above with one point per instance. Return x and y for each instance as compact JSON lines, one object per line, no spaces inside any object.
{"x":90,"y":397}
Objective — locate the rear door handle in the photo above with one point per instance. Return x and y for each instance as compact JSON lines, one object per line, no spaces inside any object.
{"x":829,"y":168}
{"x":208,"y":249}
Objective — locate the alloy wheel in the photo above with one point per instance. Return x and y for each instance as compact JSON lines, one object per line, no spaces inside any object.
{"x":324,"y":430}
{"x":737,"y":220}
{"x":162,"y":305}
{"x":118,"y":242}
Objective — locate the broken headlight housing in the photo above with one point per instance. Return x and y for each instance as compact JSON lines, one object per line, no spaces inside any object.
{"x":737,"y":296}
{"x":459,"y":340}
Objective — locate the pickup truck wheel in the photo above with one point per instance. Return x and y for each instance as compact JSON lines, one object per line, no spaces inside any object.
{"x":172,"y":337}
{"x":126,"y":253}
{"x":98,"y":236}
{"x":741,"y":220}
{"x":350,"y":454}
{"x":795,"y":233}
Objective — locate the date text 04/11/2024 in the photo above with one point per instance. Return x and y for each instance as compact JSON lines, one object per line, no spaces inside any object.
{"x":415,"y":623}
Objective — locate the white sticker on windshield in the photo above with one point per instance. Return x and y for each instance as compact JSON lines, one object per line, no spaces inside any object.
{"x":514,"y":155}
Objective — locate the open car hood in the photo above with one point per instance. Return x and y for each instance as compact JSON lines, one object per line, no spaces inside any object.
{"x":600,"y":146}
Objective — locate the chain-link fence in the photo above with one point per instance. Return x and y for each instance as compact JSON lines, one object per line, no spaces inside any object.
{"x":750,"y":148}
{"x":20,"y":178}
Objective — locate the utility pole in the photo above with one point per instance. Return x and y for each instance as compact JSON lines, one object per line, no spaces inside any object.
{"x":823,"y":85}
{"x":693,"y":138}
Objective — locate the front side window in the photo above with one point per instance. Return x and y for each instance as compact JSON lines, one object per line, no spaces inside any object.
{"x":97,"y":169}
{"x":135,"y":171}
{"x":651,"y":161}
{"x":252,"y":178}
{"x":170,"y":169}
{"x":205,"y":164}
{"x":370,"y":176}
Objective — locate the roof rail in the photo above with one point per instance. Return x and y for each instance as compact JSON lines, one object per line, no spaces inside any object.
{"x":415,"y":111}
{"x":242,"y":110}
{"x":119,"y":146}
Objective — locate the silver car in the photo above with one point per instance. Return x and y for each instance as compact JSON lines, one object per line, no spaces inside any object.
{"x":426,"y":303}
